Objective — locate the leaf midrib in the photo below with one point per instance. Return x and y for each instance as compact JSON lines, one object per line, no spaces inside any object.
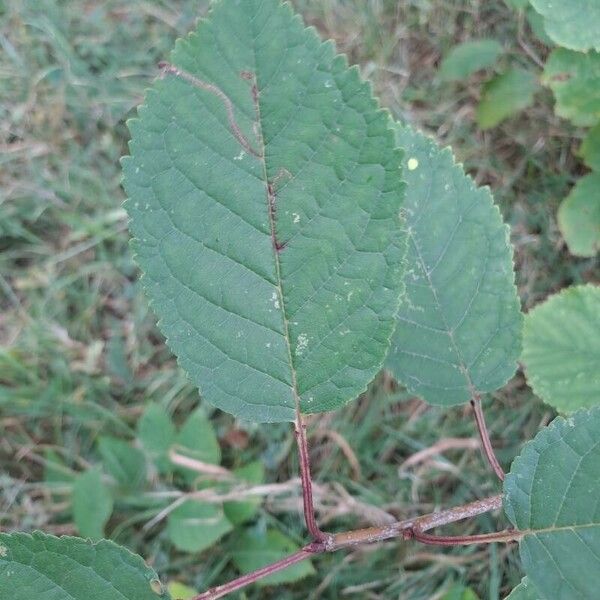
{"x":273,"y":230}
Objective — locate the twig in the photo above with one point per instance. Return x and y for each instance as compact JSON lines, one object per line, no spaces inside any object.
{"x":484,"y":435}
{"x":408,"y":529}
{"x":509,"y":535}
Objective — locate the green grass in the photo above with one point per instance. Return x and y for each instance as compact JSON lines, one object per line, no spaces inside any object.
{"x":79,"y":350}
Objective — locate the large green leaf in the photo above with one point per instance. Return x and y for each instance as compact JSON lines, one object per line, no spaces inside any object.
{"x":50,"y":568}
{"x":265,"y":194}
{"x":459,"y":326}
{"x":524,"y":591}
{"x":574,"y":24}
{"x":465,"y":59}
{"x":579,"y":216}
{"x":551,"y":494}
{"x":574,"y":78}
{"x":561,"y":348}
{"x":590,"y":148}
{"x":504,"y":95}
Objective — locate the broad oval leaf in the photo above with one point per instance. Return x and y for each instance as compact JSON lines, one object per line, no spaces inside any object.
{"x":561,"y":348}
{"x":579,"y":216}
{"x":265,"y":192}
{"x":574,"y":78}
{"x":551,"y":494}
{"x":574,"y":24}
{"x":459,"y":325}
{"x":54,"y":568}
{"x":524,"y":591}
{"x":92,"y":504}
{"x":590,"y":148}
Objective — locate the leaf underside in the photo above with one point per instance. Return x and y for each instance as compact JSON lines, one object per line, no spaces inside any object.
{"x":574,"y":24}
{"x":561,"y":349}
{"x":264,"y":195}
{"x":551,"y":493}
{"x":459,"y":325}
{"x":524,"y":591}
{"x":54,"y":568}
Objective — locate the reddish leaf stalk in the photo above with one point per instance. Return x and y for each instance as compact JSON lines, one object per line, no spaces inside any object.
{"x":305,"y":478}
{"x":484,"y":435}
{"x":509,"y":535}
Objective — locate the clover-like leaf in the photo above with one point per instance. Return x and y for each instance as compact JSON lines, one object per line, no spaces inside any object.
{"x":459,"y":326}
{"x":92,"y":503}
{"x":573,"y":24}
{"x":551,"y":495}
{"x":574,"y":78}
{"x":579,"y":216}
{"x":265,"y":192}
{"x":561,"y":348}
{"x":44,"y":566}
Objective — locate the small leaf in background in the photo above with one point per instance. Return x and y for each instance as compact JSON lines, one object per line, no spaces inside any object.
{"x":467,"y":58}
{"x":255,"y":549}
{"x":524,"y":591}
{"x":590,"y":148}
{"x":579,"y":217}
{"x":179,"y":591}
{"x":156,"y":433}
{"x":56,"y":472}
{"x":459,"y":327}
{"x":460,"y":592}
{"x":573,"y":24}
{"x":241,"y":512}
{"x":574,"y":78}
{"x":92,"y":504}
{"x":551,"y":494}
{"x":47,"y":567}
{"x":125,"y":463}
{"x":505,"y":95}
{"x":561,"y":348}
{"x":194,"y":526}
{"x":197,"y":440}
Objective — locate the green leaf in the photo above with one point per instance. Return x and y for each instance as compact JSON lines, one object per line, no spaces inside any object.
{"x":56,"y":472}
{"x":459,"y":326}
{"x":465,"y":59}
{"x":459,"y":592}
{"x":574,"y":24}
{"x":524,"y":591}
{"x":551,"y":494}
{"x":536,"y":22}
{"x":579,"y":216}
{"x":197,"y":440}
{"x":179,"y":591}
{"x":124,"y":462}
{"x":256,"y":549}
{"x":266,"y":219}
{"x":92,"y":504}
{"x":194,"y":526}
{"x":157,"y":433}
{"x":241,"y":512}
{"x":505,"y":95}
{"x":50,"y":568}
{"x":561,"y":348}
{"x":574,"y":78}
{"x":590,"y":148}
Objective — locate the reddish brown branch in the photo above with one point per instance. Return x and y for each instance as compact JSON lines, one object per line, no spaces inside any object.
{"x":213,"y":89}
{"x":484,"y":435}
{"x":465,"y":540}
{"x":408,"y":529}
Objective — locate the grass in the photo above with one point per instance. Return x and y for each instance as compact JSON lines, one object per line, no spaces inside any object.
{"x":79,"y":350}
